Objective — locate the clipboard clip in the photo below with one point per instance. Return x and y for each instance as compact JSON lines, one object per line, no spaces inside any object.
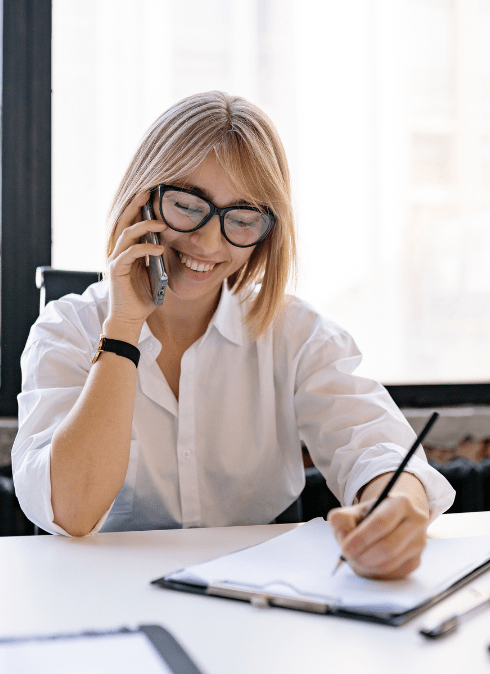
{"x":268,"y":599}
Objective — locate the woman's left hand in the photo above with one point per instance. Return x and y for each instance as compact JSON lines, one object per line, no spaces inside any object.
{"x":387,"y":544}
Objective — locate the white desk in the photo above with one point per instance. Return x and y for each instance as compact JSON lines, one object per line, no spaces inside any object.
{"x":52,"y":584}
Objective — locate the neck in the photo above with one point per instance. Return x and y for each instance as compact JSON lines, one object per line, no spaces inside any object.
{"x":183,"y":320}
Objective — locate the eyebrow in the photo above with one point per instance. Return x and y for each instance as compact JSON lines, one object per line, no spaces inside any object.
{"x":207,"y":195}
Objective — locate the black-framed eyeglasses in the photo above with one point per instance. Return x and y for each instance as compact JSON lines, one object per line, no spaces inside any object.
{"x":185,"y":211}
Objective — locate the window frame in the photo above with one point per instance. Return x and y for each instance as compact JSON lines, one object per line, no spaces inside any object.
{"x":26,"y":180}
{"x":440,"y":395}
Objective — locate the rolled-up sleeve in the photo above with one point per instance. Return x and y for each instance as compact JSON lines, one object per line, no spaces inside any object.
{"x":55,"y":366}
{"x":352,"y":428}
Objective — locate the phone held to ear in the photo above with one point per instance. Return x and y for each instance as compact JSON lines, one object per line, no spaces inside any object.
{"x":154,"y":263}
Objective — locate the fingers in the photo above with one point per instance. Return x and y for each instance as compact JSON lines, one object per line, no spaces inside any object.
{"x":388,"y":543}
{"x":393,"y":556}
{"x":130,"y":296}
{"x":345,"y":520}
{"x":121,"y":264}
{"x":132,"y":216}
{"x":132,"y":212}
{"x":132,"y":236}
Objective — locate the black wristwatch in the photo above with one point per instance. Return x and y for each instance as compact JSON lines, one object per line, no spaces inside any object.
{"x":117,"y":346}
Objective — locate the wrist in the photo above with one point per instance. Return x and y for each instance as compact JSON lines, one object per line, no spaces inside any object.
{"x":119,"y":347}
{"x":407,"y":485}
{"x":125,"y":331}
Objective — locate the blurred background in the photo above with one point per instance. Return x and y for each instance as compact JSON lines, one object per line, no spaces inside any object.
{"x":384,"y":110}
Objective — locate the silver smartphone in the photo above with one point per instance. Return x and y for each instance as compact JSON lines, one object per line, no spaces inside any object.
{"x":154,"y":263}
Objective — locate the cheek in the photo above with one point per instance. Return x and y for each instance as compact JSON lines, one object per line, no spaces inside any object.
{"x":169,"y":237}
{"x":241,"y":256}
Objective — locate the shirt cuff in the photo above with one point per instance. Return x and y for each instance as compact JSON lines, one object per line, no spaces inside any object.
{"x":385,"y":458}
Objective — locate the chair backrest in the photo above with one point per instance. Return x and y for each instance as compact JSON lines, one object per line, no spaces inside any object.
{"x":54,"y":283}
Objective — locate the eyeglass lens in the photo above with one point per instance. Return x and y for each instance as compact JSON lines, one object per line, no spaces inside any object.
{"x":185,"y":212}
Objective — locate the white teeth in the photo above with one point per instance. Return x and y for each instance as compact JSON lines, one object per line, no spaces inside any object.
{"x":194,"y":264}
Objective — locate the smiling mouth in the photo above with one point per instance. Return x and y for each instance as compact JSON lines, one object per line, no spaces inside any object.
{"x":195,"y":265}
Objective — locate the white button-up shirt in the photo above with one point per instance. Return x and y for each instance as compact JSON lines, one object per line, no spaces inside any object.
{"x":228,"y":452}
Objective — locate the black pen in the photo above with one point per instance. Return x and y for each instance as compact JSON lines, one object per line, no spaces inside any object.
{"x":397,"y":474}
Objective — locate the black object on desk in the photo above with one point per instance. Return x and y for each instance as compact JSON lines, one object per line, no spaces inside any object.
{"x":451,"y":624}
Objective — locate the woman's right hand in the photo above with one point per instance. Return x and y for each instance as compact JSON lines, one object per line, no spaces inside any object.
{"x":130,"y":297}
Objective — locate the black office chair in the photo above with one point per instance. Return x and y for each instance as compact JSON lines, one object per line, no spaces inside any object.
{"x":54,"y":283}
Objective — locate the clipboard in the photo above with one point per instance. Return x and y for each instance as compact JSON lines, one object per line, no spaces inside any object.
{"x":173,"y":656}
{"x":291,"y":571}
{"x":266,"y":600}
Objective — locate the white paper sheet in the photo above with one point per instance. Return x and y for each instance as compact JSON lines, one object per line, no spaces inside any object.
{"x":300,"y":563}
{"x":121,"y":653}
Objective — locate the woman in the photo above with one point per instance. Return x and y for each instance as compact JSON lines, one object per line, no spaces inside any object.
{"x":206,"y":430}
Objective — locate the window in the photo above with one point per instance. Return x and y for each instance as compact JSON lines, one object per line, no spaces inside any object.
{"x":384,"y":109}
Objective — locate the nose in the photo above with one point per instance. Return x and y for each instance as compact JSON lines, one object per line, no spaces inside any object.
{"x":209,"y":238}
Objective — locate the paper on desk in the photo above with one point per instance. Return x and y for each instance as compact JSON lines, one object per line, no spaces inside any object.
{"x":300,"y":563}
{"x":121,"y":653}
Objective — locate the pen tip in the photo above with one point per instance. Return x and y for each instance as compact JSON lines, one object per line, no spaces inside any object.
{"x":339,"y":564}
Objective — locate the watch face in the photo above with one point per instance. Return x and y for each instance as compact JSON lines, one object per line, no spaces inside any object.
{"x":96,"y":353}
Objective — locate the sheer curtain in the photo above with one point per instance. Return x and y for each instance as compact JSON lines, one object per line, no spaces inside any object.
{"x":384,"y":109}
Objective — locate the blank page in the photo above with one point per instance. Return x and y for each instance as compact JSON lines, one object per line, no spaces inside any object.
{"x":122,"y":653}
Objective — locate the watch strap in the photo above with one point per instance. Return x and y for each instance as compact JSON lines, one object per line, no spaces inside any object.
{"x":118,"y":347}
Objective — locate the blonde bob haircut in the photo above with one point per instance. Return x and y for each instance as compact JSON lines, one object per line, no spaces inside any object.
{"x":247,"y":146}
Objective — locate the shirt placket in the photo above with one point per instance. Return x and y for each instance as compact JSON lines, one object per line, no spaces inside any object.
{"x":186,"y":443}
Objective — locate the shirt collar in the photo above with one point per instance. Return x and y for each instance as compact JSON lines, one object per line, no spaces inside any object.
{"x":227,"y":319}
{"x":145,"y":333}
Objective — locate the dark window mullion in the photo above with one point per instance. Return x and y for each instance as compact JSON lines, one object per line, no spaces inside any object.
{"x":26,"y":179}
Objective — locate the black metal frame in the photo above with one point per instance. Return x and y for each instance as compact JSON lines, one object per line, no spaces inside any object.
{"x":26,"y":180}
{"x":213,"y":210}
{"x":440,"y":395}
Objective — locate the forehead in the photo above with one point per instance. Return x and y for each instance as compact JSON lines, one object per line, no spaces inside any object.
{"x":211,"y":181}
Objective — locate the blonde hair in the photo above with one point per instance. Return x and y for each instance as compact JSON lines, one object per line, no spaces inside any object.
{"x":248,"y":147}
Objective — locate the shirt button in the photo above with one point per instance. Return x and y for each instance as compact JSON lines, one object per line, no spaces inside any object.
{"x":186,"y":453}
{"x":148,"y":346}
